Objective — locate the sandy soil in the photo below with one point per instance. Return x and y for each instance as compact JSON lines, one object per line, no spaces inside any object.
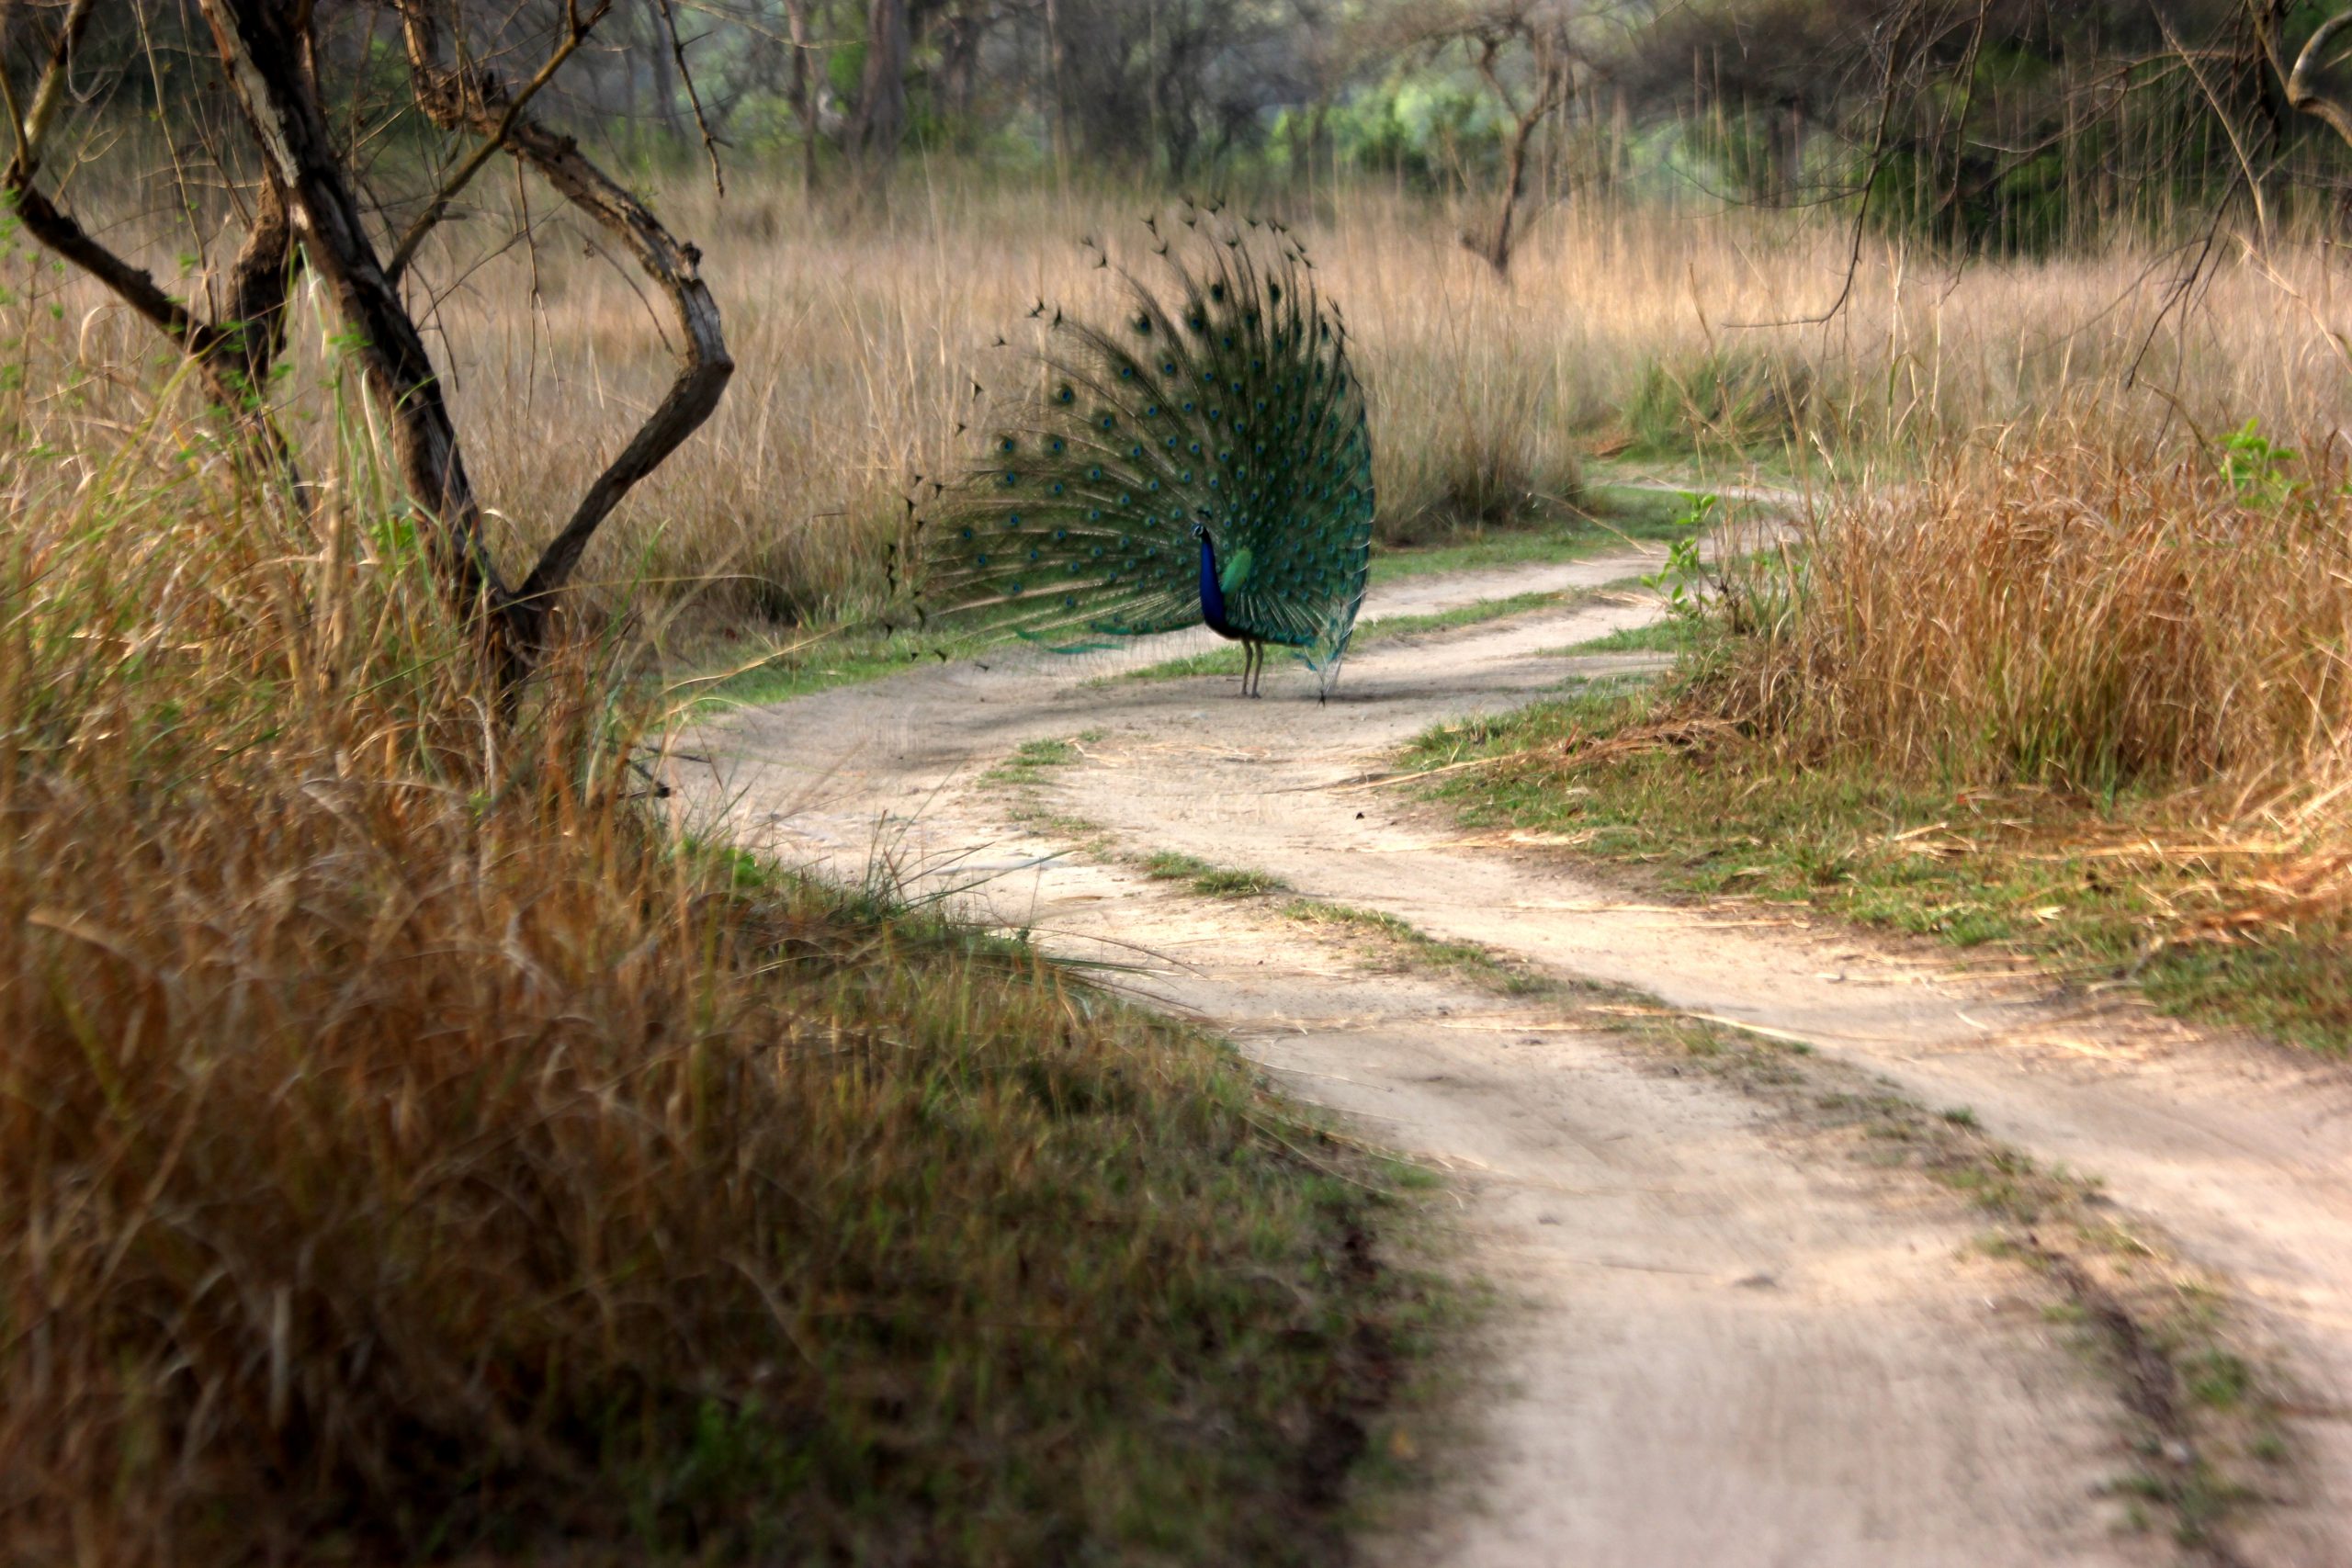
{"x":1723,"y":1349}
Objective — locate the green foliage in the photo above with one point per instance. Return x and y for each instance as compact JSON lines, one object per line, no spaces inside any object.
{"x":844,"y":68}
{"x":1420,"y":126}
{"x":2258,"y":467}
{"x":1684,"y":578}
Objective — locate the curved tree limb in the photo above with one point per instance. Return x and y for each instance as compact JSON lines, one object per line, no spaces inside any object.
{"x":576,"y":30}
{"x":308,"y":206}
{"x":2303,"y":90}
{"x":455,"y":97}
{"x":234,"y":351}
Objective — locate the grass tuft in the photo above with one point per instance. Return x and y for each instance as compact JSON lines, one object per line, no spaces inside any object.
{"x":1385,"y":939}
{"x":1211,"y":881}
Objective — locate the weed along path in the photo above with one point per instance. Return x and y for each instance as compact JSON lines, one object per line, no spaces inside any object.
{"x":1756,"y":1306}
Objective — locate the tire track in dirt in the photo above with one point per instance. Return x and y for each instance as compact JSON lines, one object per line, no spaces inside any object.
{"x":1726,"y":1349}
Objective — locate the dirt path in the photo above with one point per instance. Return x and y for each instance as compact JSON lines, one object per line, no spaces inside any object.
{"x":1726,"y":1348}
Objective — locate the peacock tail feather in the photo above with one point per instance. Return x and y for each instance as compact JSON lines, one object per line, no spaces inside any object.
{"x":1222,"y":403}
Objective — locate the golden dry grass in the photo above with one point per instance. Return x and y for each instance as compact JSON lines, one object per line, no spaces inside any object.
{"x":2081,"y":608}
{"x":405,"y":1144}
{"x":858,"y":338}
{"x":857,"y":333}
{"x":411,"y":1147}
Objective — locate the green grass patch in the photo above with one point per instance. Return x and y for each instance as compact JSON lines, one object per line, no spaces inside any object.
{"x":753,"y":671}
{"x":1477,"y":613}
{"x":1399,"y":943}
{"x":1032,"y":759}
{"x":1214,"y":881}
{"x":1617,"y":513}
{"x":2031,"y":869}
{"x":1672,"y":634}
{"x":1223,"y":659}
{"x":1723,"y":403}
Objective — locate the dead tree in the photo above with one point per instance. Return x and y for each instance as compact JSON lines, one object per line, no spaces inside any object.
{"x":881,"y":122}
{"x":308,"y":212}
{"x":1524,"y":53}
{"x":1544,"y":41}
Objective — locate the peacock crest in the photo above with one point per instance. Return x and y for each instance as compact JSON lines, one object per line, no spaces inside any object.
{"x":1202,"y":459}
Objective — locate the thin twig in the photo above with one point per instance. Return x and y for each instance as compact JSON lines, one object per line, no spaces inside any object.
{"x":576,"y":30}
{"x":693,"y":97}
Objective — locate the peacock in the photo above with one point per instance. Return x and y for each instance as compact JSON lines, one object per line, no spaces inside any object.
{"x":1205,"y":462}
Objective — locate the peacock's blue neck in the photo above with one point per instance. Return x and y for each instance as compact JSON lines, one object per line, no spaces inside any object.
{"x":1212,"y":592}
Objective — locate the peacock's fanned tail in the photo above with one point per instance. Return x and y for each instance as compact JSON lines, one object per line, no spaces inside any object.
{"x":1226,"y":401}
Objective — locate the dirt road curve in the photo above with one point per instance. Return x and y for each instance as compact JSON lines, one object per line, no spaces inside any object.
{"x":1720,"y":1347}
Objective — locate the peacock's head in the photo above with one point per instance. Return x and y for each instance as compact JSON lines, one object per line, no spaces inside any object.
{"x":1200,"y":530}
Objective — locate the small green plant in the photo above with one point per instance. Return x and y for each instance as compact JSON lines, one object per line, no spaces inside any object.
{"x":1683,"y":580}
{"x":2257,"y":466}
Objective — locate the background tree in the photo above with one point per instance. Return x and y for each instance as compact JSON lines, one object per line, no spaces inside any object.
{"x":1526,"y":57}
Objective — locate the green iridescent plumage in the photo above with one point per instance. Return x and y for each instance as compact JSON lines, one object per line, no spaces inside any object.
{"x":1223,"y":404}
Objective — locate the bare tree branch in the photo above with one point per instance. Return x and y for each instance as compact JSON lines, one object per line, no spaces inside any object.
{"x":2303,"y":90}
{"x":693,"y":97}
{"x":1541,"y":31}
{"x":234,"y":354}
{"x":1548,"y":49}
{"x":453,"y":99}
{"x":576,"y":30}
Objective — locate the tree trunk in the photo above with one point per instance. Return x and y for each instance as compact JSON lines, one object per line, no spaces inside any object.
{"x":1059,"y":127}
{"x":265,"y":66}
{"x":801,"y":91}
{"x":1496,"y":250}
{"x":478,"y":101}
{"x":663,"y":72}
{"x":882,"y":94}
{"x":1791,"y":178}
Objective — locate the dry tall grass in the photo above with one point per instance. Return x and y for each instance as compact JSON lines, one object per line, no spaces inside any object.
{"x":2081,"y":609}
{"x":2084,"y":608}
{"x":857,"y":334}
{"x":409,"y":1147}
{"x":404,"y":1146}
